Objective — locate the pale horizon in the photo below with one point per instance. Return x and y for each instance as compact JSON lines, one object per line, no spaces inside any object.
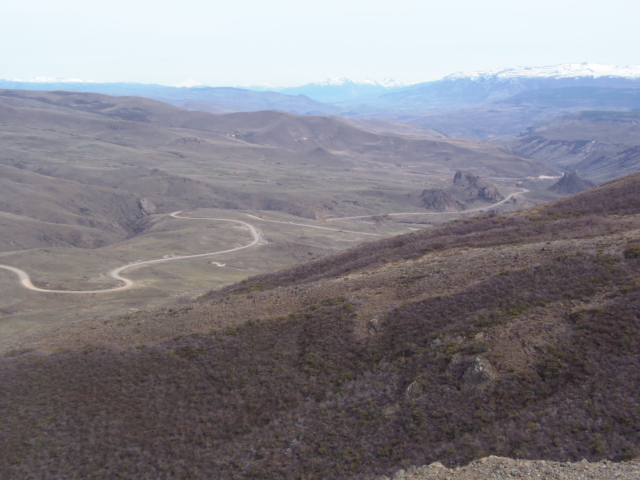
{"x":284,"y":44}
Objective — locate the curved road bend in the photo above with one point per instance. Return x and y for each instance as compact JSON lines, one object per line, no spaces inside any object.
{"x":522,"y":191}
{"x":25,"y":280}
{"x":314,"y":226}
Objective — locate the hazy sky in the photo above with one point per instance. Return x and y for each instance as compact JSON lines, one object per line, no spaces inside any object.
{"x":286,"y":42}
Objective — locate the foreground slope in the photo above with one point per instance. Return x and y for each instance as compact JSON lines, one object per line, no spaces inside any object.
{"x":512,"y":335}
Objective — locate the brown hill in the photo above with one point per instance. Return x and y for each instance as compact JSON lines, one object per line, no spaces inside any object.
{"x":83,"y":162}
{"x":377,"y":125}
{"x":265,"y":128}
{"x":513,"y":335}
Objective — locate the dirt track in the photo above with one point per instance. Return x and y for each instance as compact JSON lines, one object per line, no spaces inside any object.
{"x":25,"y":279}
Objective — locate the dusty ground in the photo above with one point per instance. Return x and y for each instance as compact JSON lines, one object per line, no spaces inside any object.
{"x":495,"y":468}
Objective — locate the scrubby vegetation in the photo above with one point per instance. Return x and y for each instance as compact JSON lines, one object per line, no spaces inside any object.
{"x":303,"y":396}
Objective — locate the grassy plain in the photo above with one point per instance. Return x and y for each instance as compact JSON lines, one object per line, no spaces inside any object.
{"x":285,"y":240}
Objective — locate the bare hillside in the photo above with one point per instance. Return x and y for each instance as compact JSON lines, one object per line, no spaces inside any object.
{"x":513,"y":335}
{"x":601,"y":146}
{"x":85,"y":163}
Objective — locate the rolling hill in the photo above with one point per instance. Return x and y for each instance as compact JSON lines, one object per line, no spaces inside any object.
{"x":84,"y":162}
{"x":208,"y":99}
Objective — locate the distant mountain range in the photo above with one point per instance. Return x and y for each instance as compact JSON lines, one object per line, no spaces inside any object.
{"x":486,"y":104}
{"x":462,"y":90}
{"x":338,"y":90}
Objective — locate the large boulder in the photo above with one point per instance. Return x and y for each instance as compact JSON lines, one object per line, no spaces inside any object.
{"x":479,"y":374}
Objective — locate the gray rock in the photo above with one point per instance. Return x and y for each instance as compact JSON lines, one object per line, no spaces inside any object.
{"x":479,"y":374}
{"x":414,"y":390}
{"x":148,"y":207}
{"x":454,"y":362}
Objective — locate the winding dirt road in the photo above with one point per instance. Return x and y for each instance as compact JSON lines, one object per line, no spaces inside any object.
{"x":313,"y":226}
{"x":482,"y":209}
{"x":26,"y":282}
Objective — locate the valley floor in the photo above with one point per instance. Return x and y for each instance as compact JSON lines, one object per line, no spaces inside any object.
{"x":376,"y":293}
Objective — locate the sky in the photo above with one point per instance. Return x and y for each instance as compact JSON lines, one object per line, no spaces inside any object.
{"x":289,"y":43}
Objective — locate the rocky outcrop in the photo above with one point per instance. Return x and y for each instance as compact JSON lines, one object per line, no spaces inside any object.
{"x":466,"y":188}
{"x":469,"y":187}
{"x":479,"y":374}
{"x":439,"y":199}
{"x":462,"y":178}
{"x":571,"y":183}
{"x":148,"y":207}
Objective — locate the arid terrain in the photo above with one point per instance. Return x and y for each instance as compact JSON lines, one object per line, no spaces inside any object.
{"x":88,"y":183}
{"x":263,"y":295}
{"x":513,"y":335}
{"x":316,"y":241}
{"x":600,"y":145}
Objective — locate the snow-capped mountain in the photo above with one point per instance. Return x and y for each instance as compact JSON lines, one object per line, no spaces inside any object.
{"x":502,"y":102}
{"x":584,"y":84}
{"x":481,"y":104}
{"x":189,"y":83}
{"x":568,"y":70}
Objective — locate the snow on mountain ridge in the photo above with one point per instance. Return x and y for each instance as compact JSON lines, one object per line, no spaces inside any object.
{"x":568,"y":70}
{"x":48,"y":80}
{"x":391,"y":83}
{"x":341,"y":81}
